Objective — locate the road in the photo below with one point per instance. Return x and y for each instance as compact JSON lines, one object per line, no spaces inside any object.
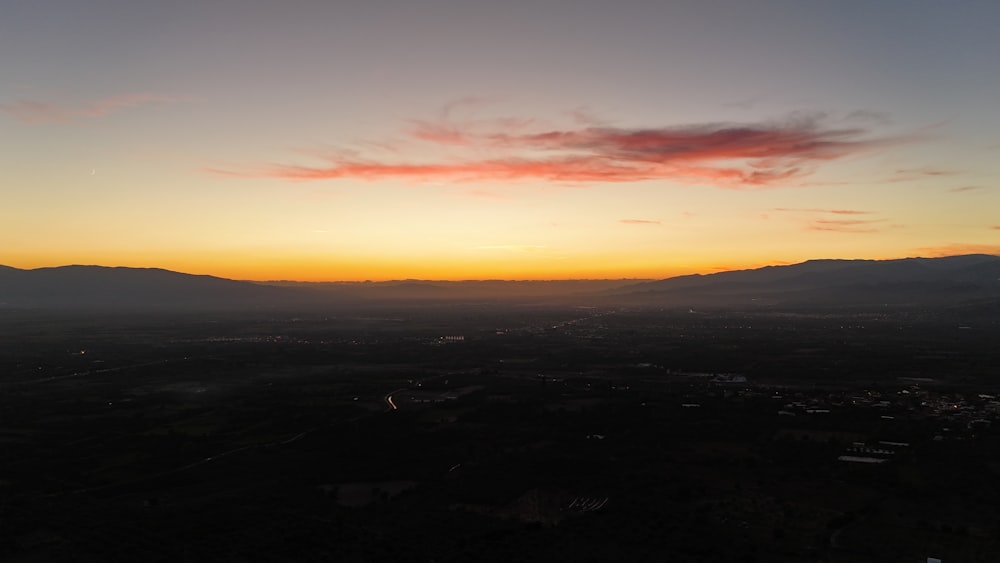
{"x":389,"y":401}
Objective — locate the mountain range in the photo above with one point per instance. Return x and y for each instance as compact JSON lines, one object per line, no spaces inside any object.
{"x":955,"y":280}
{"x":908,"y":281}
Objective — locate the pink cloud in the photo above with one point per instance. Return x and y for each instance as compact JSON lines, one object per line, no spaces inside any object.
{"x":506,"y":150}
{"x":916,"y":174}
{"x":638,"y":222}
{"x":35,"y":112}
{"x":441,"y":134}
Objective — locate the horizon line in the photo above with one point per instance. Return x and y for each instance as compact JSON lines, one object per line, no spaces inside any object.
{"x":508,"y":280}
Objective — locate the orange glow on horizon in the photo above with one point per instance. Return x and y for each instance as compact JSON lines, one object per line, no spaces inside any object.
{"x":304,"y":269}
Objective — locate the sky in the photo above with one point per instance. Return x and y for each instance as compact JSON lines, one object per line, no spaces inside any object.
{"x":317,"y":140}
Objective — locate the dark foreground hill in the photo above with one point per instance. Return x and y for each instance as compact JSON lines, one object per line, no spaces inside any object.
{"x":948,"y":281}
{"x":82,"y":287}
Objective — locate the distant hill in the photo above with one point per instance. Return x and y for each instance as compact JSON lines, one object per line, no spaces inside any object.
{"x":83,"y":287}
{"x":89,"y":287}
{"x":921,"y":282}
{"x":907,"y":281}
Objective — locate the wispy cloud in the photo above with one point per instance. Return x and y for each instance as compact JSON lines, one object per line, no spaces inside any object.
{"x":967,"y":189}
{"x":37,"y":112}
{"x":927,"y":171}
{"x":830,"y":220}
{"x":914,"y":174}
{"x":846,"y":225}
{"x":638,"y":222}
{"x":754,"y":155}
{"x":816,"y":210}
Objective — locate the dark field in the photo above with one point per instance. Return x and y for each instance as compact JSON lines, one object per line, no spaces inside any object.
{"x":500,"y":433}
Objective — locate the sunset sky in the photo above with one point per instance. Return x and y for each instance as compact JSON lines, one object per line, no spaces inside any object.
{"x":342,"y":140}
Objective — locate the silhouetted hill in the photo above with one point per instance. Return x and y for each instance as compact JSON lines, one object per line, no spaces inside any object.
{"x":908,"y":281}
{"x":919,"y":282}
{"x":153,"y":288}
{"x":143,"y":288}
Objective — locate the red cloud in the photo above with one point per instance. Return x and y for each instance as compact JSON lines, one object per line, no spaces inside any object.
{"x":440,"y":133}
{"x":34,"y":112}
{"x":515,"y":149}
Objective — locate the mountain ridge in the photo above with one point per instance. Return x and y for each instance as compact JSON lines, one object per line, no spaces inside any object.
{"x":903,"y":280}
{"x":951,"y":279}
{"x":115,"y":287}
